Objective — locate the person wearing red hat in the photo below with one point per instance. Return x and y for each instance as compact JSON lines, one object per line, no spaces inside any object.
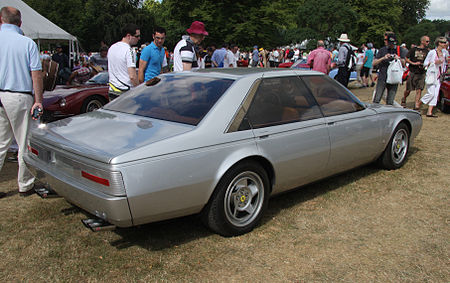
{"x":185,"y":58}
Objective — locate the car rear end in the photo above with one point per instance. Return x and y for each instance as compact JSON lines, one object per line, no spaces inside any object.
{"x":92,"y":185}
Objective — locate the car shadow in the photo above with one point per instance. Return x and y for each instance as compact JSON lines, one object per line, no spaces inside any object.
{"x":162,"y":235}
{"x":175,"y":232}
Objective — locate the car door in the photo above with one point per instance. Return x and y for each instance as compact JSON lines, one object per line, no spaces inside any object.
{"x":354,"y":129}
{"x":290,"y":131}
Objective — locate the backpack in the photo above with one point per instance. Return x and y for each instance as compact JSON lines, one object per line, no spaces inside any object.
{"x":350,"y":61}
{"x":291,"y":54}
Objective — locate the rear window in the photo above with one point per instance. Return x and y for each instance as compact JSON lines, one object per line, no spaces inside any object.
{"x":183,"y":99}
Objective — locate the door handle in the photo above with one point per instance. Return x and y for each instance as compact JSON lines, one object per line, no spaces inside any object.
{"x":330,"y":123}
{"x":264,"y":136}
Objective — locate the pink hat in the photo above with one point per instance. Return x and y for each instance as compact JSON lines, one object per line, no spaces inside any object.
{"x":197,"y":28}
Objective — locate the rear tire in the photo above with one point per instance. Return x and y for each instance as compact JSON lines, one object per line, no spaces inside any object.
{"x":394,"y":156}
{"x":239,"y":200}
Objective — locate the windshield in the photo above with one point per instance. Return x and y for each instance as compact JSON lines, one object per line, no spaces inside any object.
{"x":298,"y":64}
{"x":183,"y":99}
{"x":101,"y":79}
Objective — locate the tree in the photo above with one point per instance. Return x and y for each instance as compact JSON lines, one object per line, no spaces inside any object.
{"x":375,"y":18}
{"x":413,"y":11}
{"x":323,"y":19}
{"x":432,"y":29}
{"x":93,"y":21}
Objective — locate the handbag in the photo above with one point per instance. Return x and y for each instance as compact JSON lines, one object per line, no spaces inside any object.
{"x":431,"y":75}
{"x":394,"y":72}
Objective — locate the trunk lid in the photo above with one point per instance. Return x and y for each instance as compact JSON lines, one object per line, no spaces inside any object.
{"x":102,"y":135}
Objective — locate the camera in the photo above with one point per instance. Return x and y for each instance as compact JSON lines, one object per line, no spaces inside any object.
{"x":36,"y":113}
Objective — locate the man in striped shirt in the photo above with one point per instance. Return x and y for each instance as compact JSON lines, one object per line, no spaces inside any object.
{"x":185,"y":57}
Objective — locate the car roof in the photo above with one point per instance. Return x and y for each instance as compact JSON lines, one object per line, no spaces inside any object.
{"x":245,"y":72}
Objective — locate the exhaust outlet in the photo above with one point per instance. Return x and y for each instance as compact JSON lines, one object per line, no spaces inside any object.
{"x":45,"y":192}
{"x":97,"y":224}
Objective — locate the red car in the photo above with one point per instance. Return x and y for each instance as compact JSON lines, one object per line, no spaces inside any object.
{"x":242,"y":63}
{"x":66,"y":101}
{"x":444,"y":94}
{"x":299,"y":64}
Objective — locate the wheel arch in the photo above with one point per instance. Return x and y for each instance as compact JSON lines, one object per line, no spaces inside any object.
{"x":264,"y":162}
{"x":408,"y":125}
{"x":228,"y":165}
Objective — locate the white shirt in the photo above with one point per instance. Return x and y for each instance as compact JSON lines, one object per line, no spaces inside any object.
{"x":229,"y":59}
{"x":276,"y":54}
{"x":184,"y":52}
{"x":360,"y":57}
{"x":121,"y":56}
{"x":237,"y":55}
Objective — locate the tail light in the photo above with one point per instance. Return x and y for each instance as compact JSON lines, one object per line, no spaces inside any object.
{"x":33,"y":150}
{"x":96,"y":179}
{"x":108,"y":182}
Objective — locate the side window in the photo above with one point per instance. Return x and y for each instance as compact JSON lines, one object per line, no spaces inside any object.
{"x":332,"y":97}
{"x":280,"y":101}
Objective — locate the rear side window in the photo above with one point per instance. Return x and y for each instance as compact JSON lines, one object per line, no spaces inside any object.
{"x":280,"y":101}
{"x":183,"y":99}
{"x":332,"y":97}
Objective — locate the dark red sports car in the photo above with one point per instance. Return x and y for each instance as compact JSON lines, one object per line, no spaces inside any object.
{"x":444,"y":94}
{"x":65,"y":101}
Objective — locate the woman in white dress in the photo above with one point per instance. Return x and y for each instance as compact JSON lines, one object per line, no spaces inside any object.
{"x":438,"y":56}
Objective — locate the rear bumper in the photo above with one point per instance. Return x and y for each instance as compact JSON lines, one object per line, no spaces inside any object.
{"x":110,"y":208}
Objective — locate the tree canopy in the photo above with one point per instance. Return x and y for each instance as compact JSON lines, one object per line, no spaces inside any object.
{"x":266,"y":23}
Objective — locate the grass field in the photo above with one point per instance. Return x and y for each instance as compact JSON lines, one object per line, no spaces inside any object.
{"x":365,"y":225}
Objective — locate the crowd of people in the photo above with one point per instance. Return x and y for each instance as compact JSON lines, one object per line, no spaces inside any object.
{"x":21,"y":87}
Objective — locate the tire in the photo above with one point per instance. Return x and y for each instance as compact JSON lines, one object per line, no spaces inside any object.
{"x":444,"y":108}
{"x":92,"y":103}
{"x":394,"y":156}
{"x":239,"y":200}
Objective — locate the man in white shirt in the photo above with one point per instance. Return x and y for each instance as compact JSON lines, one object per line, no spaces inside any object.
{"x":122,"y":62}
{"x":184,"y":55}
{"x":230,"y":58}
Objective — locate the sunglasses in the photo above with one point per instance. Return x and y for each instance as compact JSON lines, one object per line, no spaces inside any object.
{"x":137,"y":35}
{"x":445,"y":42}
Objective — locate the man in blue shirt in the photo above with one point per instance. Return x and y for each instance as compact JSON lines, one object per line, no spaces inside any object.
{"x":20,"y":70}
{"x":153,"y":57}
{"x":255,"y":56}
{"x":218,"y":57}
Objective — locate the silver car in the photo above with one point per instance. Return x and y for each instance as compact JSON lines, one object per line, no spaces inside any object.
{"x":218,"y":143}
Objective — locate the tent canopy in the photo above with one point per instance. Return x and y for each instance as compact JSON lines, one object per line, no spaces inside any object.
{"x":36,"y":26}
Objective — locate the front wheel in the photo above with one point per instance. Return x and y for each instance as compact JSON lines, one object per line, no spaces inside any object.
{"x":394,"y":156}
{"x":92,"y":103}
{"x":238,"y":201}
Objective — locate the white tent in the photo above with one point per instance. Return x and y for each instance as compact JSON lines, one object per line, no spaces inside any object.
{"x":37,"y":27}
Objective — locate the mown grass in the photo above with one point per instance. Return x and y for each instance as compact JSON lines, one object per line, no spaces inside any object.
{"x":364,"y":225}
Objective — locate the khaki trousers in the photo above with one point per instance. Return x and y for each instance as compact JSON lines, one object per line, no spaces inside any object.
{"x":14,"y":122}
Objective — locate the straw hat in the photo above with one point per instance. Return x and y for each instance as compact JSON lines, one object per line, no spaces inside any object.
{"x":344,"y":38}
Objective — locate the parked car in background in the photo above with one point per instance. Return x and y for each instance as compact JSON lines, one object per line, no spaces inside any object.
{"x":299,"y":64}
{"x":353,"y":74}
{"x":218,"y":142}
{"x":444,"y":94}
{"x":65,"y":101}
{"x":242,"y":63}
